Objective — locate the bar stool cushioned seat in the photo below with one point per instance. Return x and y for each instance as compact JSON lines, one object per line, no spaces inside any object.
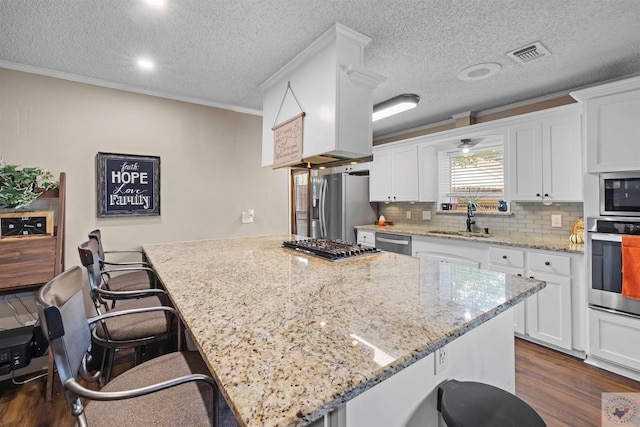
{"x":472,"y":404}
{"x":187,"y":405}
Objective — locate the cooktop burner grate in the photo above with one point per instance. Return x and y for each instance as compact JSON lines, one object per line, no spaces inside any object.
{"x":334,"y":250}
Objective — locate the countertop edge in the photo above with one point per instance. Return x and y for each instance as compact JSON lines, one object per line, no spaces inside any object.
{"x":395,"y":368}
{"x":496,"y":240}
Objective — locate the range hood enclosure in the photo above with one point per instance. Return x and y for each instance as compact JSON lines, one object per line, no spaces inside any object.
{"x":334,"y":91}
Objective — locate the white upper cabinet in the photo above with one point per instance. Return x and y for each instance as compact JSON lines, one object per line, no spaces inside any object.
{"x":428,"y":173}
{"x":612,"y":113}
{"x":545,"y":158}
{"x":327,"y":82}
{"x":394,"y":175}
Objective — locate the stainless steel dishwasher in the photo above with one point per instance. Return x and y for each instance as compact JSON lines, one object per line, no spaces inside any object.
{"x":398,"y":243}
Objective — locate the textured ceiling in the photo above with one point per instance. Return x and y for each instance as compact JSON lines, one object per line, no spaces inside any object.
{"x":217,"y":52}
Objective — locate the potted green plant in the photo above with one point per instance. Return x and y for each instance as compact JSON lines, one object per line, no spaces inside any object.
{"x":20,"y":186}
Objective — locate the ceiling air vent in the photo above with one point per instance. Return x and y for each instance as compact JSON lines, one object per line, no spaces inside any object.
{"x":529,"y":53}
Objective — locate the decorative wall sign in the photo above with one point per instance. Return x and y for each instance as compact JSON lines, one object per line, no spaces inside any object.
{"x":128,"y":185}
{"x":287,"y":136}
{"x":287,"y":142}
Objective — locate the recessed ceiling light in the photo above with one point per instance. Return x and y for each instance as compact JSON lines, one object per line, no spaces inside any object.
{"x":479,"y":71}
{"x":155,"y":3}
{"x":146,"y":64}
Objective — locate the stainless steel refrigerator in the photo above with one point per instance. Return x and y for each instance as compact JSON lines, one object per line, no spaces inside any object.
{"x":339,"y":202}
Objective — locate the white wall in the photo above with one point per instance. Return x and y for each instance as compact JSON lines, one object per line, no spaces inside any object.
{"x":209,"y":167}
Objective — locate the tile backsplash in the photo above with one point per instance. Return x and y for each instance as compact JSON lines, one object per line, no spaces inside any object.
{"x":524,"y":219}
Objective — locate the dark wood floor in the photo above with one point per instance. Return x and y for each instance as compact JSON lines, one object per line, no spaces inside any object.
{"x":564,"y":390}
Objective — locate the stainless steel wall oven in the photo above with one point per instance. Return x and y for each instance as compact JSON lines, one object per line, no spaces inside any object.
{"x":604,"y":245}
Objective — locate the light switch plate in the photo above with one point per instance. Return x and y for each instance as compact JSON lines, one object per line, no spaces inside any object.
{"x":426,"y":215}
{"x":408,"y":214}
{"x":556,"y":220}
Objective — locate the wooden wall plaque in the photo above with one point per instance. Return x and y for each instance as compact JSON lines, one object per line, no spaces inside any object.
{"x":287,"y":142}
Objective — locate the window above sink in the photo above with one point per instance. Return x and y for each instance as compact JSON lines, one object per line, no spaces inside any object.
{"x":476,"y":176}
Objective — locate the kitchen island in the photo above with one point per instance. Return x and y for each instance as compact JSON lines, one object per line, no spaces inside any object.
{"x":290,"y":337}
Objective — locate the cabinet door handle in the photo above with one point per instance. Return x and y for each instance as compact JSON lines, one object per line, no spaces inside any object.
{"x":531,"y":277}
{"x":546,"y":195}
{"x":537,"y":194}
{"x":547,"y":263}
{"x":394,"y":197}
{"x":504,"y":257}
{"x":519,"y":274}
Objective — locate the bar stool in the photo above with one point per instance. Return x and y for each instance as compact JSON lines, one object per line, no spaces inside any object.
{"x":472,"y":404}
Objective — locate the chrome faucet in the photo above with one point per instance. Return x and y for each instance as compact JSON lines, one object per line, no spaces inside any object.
{"x":470,"y":222}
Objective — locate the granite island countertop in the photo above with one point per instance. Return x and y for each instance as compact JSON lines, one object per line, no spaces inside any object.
{"x":550,"y":244}
{"x":290,"y":337}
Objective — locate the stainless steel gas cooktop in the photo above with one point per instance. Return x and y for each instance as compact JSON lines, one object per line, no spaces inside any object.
{"x":334,"y":250}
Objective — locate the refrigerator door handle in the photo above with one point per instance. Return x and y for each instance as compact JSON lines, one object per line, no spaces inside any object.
{"x":323,"y":203}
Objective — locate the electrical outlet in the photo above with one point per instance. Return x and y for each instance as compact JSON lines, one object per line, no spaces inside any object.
{"x":426,"y":215}
{"x":556,"y":220}
{"x":247,"y":216}
{"x":441,"y":360}
{"x":408,"y":214}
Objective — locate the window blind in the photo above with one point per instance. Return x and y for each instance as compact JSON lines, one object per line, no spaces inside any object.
{"x":477,"y":176}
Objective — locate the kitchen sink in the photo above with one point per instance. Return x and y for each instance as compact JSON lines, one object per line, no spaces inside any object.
{"x":460,"y":233}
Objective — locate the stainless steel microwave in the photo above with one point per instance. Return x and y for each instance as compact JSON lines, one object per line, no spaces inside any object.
{"x":620,"y":193}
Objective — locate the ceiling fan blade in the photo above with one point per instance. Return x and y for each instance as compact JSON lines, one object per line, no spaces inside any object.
{"x":467,"y":143}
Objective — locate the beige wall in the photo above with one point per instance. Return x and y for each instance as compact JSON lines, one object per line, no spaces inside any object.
{"x":210,"y":159}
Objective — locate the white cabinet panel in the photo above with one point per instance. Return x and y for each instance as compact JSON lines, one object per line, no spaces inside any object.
{"x":613,"y":131}
{"x":455,"y":251}
{"x":612,"y":125}
{"x":366,"y":238}
{"x":525,"y":161}
{"x":549,"y":263}
{"x":549,"y":311}
{"x":504,"y":257}
{"x":380,"y":184}
{"x":394,"y":175}
{"x":453,"y":259}
{"x":562,"y":158}
{"x":545,"y":160}
{"x":358,"y":167}
{"x":428,"y":173}
{"x":405,"y":174}
{"x":556,"y":314}
{"x":615,"y":338}
{"x":519,"y":310}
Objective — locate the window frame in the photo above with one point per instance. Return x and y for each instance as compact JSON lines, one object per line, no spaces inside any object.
{"x":453,"y":199}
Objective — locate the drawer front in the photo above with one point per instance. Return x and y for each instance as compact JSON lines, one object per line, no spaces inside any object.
{"x":367,"y":238}
{"x":26,"y":261}
{"x":548,"y":263}
{"x":506,"y":257}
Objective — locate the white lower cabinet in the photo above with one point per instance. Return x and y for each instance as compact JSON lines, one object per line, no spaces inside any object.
{"x":366,"y":238}
{"x":546,"y":316}
{"x":615,"y":338}
{"x":519,"y":325}
{"x":549,"y":311}
{"x":447,"y":250}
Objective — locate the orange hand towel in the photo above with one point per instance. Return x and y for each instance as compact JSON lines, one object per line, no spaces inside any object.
{"x":631,"y":267}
